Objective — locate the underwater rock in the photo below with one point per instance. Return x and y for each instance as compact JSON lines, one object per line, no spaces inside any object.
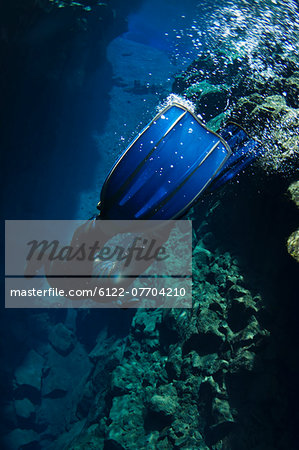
{"x":275,"y":124}
{"x":61,"y":372}
{"x":163,"y":405}
{"x":293,"y":191}
{"x":169,"y":331}
{"x":212,"y":103}
{"x":89,"y":401}
{"x":187,"y":378}
{"x":9,"y":417}
{"x":217,"y":70}
{"x":236,"y":292}
{"x":205,"y":365}
{"x":254,"y":111}
{"x":61,"y":339}
{"x":291,"y":87}
{"x":243,"y":360}
{"x":209,"y":99}
{"x":241,"y":308}
{"x":225,"y":87}
{"x":252,"y":334}
{"x":126,"y":417}
{"x":90,"y":440}
{"x":174,"y":361}
{"x":20,"y":438}
{"x":163,"y":396}
{"x":30,"y":372}
{"x":100,"y":347}
{"x":209,"y":240}
{"x":202,"y":256}
{"x":293,"y":245}
{"x":203,"y":343}
{"x":63,"y":385}
{"x":183,"y":434}
{"x":240,"y":312}
{"x":293,"y":240}
{"x":24,"y":408}
{"x":145,"y":325}
{"x":221,"y":413}
{"x":85,"y":401}
{"x":123,"y":380}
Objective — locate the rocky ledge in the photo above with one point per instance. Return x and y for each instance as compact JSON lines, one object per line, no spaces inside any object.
{"x":293,"y":240}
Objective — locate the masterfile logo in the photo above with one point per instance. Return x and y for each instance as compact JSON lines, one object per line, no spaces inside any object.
{"x":98,"y":263}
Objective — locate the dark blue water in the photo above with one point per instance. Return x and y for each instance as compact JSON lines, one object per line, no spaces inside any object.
{"x":51,"y":113}
{"x":55,"y":100}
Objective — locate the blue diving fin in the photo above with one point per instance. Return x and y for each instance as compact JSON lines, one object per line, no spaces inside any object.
{"x":169,"y":165}
{"x":165,"y":169}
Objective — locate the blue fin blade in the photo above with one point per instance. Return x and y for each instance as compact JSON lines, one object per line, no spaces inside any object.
{"x":244,"y":151}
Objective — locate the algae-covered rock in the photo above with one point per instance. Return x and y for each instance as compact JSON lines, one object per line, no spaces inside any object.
{"x":187,"y":378}
{"x":173,"y":365}
{"x":293,"y":240}
{"x":291,"y":86}
{"x":255,"y":110}
{"x":293,"y":191}
{"x":275,"y":125}
{"x":221,"y":412}
{"x":253,"y":333}
{"x":271,"y":107}
{"x":223,"y":421}
{"x":126,"y":417}
{"x":175,"y":394}
{"x":244,"y":359}
{"x":163,"y":405}
{"x":224,"y":86}
{"x":240,"y":312}
{"x":293,"y":245}
{"x":202,"y":256}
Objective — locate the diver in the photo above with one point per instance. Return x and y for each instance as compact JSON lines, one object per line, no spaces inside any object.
{"x":160,"y":176}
